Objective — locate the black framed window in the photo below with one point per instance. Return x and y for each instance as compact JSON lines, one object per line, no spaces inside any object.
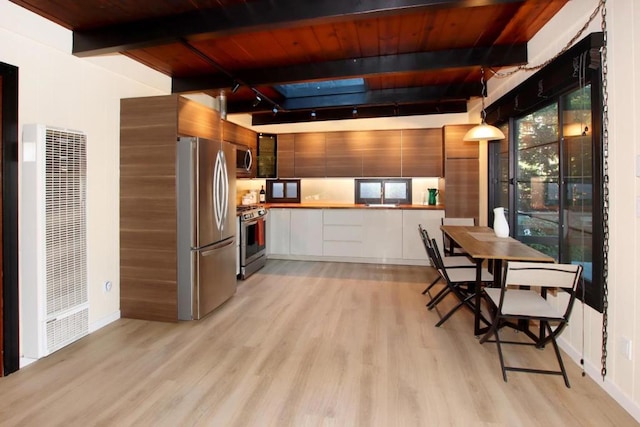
{"x":283,"y":191}
{"x":548,"y":173}
{"x":383,"y":191}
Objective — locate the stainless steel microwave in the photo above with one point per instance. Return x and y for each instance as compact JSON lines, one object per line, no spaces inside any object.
{"x":244,"y":160}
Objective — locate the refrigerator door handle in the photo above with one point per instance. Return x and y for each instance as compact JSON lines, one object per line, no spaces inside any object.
{"x":220,"y":190}
{"x":213,"y":249}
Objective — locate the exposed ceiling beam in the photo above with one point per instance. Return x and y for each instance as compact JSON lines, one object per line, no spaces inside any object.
{"x":495,"y":56}
{"x":406,"y":96}
{"x":244,"y":17}
{"x":363,"y":112}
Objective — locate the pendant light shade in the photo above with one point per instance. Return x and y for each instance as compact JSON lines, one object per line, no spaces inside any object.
{"x":483,"y":132}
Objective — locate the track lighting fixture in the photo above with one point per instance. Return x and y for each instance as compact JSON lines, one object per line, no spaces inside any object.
{"x":257,"y":101}
{"x":313,"y":114}
{"x":235,"y":87}
{"x":354,"y":112}
{"x":275,"y":110}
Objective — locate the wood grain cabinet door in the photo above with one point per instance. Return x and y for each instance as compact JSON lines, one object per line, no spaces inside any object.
{"x":285,"y":156}
{"x":422,"y":153}
{"x":344,"y":154}
{"x":309,"y":155}
{"x":381,"y":153}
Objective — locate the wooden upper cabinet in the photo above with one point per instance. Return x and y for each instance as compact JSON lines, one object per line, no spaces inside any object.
{"x":309,"y":155}
{"x":198,"y":120}
{"x":285,"y":155}
{"x":344,"y":154}
{"x":239,"y":135}
{"x":381,"y":153}
{"x":422,"y":153}
{"x":455,"y":147}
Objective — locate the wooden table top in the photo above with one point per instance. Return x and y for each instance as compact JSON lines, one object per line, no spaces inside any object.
{"x":482,"y":243}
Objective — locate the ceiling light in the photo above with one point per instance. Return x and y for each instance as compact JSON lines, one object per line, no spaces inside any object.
{"x":354,"y":112}
{"x":275,"y":110}
{"x":313,"y":114}
{"x":257,"y":101}
{"x":484,"y":131}
{"x":235,"y":87}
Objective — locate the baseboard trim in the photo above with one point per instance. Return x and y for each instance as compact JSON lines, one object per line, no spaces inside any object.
{"x":594,"y":373}
{"x":321,"y":258}
{"x":101,"y":323}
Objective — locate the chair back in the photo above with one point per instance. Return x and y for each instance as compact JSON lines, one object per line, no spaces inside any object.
{"x":438,"y":264}
{"x":544,"y":275}
{"x":424,"y":235}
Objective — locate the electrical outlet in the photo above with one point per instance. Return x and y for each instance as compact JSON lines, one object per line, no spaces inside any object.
{"x":107,"y":286}
{"x":626,"y":347}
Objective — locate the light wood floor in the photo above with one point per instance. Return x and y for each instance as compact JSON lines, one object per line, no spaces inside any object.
{"x":302,"y":344}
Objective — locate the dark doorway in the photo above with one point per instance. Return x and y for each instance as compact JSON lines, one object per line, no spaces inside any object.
{"x":9,"y":314}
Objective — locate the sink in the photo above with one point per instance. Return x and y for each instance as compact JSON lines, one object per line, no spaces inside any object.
{"x":382,"y":205}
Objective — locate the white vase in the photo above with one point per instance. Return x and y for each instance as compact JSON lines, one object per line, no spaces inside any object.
{"x":500,"y":224}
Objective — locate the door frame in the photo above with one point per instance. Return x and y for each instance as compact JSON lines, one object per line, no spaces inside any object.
{"x":9,"y":142}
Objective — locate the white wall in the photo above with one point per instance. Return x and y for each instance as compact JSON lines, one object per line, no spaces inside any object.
{"x":622,"y":379}
{"x":58,"y":89}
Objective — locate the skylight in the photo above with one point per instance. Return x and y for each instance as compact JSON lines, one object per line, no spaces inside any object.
{"x":328,"y":87}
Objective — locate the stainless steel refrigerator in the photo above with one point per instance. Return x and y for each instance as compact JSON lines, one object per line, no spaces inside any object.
{"x":206,"y":225}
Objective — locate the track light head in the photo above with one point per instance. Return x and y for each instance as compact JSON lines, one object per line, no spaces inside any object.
{"x":235,"y":87}
{"x":257,"y":101}
{"x":313,"y":114}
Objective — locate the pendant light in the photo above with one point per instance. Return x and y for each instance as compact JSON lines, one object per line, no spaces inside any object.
{"x":484,"y":131}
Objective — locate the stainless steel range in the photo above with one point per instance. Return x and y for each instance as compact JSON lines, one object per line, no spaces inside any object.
{"x":253,"y":242}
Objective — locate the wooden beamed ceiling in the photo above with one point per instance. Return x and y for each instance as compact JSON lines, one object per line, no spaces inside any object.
{"x":416,"y":57}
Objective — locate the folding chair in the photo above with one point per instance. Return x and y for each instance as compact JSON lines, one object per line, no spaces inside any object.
{"x":453,"y":262}
{"x":530,"y":304}
{"x":459,"y":281}
{"x":449,"y":246}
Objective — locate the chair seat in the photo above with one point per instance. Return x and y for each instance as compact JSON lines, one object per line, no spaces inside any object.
{"x":520,"y":302}
{"x":460,"y":275}
{"x":457,"y":261}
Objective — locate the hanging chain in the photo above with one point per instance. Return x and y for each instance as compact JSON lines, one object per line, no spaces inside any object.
{"x":605,"y":190}
{"x":504,"y":74}
{"x":484,"y":93}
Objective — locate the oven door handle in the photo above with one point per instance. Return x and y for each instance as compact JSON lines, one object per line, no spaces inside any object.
{"x":254,"y":221}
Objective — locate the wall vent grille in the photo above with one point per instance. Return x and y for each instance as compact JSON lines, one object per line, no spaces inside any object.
{"x":53,"y":236}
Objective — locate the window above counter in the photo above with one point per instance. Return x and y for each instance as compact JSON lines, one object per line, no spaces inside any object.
{"x":383,"y":191}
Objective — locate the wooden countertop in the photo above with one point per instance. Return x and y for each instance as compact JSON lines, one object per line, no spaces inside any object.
{"x":333,"y":205}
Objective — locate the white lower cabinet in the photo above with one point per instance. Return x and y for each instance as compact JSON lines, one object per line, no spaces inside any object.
{"x":306,"y":232}
{"x":412,"y":246}
{"x":355,"y":235}
{"x":382,"y":234}
{"x":342,"y":232}
{"x":279,"y":232}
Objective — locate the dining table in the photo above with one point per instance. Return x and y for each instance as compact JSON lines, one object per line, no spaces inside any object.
{"x":481,"y":244}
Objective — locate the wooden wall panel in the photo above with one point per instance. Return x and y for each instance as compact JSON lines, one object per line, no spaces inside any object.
{"x":422,"y":153}
{"x":285,"y":156}
{"x":309,"y":155}
{"x":149,"y":128}
{"x":344,"y":152}
{"x":381,"y":155}
{"x":455,"y":147}
{"x":198,"y":120}
{"x":462,"y":192}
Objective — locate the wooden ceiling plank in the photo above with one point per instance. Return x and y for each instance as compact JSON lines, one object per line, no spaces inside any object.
{"x":247,"y":17}
{"x":491,"y":57}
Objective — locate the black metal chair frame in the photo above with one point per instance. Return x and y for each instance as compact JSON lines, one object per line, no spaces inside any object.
{"x":546,"y":333}
{"x":463,"y":290}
